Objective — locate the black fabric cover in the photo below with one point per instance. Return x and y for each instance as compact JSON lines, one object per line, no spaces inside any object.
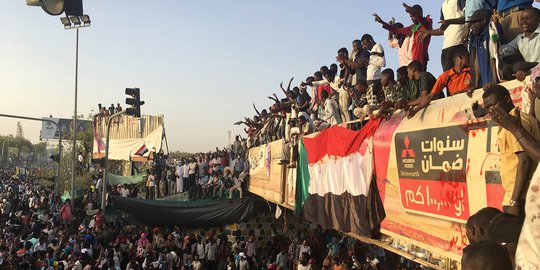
{"x":189,"y":213}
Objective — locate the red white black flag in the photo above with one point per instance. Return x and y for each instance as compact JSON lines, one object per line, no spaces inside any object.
{"x":143,"y":150}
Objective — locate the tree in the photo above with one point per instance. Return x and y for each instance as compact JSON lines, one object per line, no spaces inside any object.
{"x":40,"y":150}
{"x":179,"y":154}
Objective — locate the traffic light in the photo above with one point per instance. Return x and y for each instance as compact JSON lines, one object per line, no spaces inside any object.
{"x":134,"y":101}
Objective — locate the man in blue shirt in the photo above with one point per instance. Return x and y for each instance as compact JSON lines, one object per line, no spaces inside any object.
{"x":472,"y":6}
{"x":483,"y":64}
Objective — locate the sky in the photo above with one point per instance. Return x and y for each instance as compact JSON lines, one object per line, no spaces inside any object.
{"x":202,"y":64}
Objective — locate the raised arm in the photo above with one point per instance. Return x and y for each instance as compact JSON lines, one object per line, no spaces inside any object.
{"x":289,"y":85}
{"x":274,"y":99}
{"x":257,"y":111}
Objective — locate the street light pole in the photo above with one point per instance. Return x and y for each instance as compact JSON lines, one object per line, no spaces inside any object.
{"x":76,"y":22}
{"x":74,"y":162}
{"x":104,"y":181}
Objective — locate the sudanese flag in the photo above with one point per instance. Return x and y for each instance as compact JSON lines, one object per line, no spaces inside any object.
{"x":335,"y":185}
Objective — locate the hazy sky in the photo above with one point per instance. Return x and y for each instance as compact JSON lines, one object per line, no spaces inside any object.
{"x":200,"y":63}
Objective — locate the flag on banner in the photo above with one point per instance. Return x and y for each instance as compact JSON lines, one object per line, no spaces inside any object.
{"x":99,"y":141}
{"x":335,"y":186}
{"x":143,"y":150}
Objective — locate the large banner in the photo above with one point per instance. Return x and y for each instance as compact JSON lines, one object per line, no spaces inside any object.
{"x":130,"y":138}
{"x":431,"y":167}
{"x":433,"y":171}
{"x":50,"y":131}
{"x":266,"y":175}
{"x":436,"y":169}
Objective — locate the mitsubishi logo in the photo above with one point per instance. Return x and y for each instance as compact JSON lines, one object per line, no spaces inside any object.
{"x":407,"y":151}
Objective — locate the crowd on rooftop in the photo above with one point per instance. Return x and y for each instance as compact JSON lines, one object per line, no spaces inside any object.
{"x":485,"y":42}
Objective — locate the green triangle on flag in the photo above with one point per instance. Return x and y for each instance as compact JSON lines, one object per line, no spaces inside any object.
{"x":302,"y":178}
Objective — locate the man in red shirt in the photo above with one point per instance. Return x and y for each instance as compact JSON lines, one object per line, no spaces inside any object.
{"x":456,"y":80}
{"x":420,"y":24}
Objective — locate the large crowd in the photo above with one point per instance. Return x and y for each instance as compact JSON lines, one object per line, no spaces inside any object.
{"x":41,"y":230}
{"x":485,"y":42}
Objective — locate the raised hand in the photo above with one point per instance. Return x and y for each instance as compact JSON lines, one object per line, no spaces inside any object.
{"x":289,"y":85}
{"x":408,"y":8}
{"x":378,"y":18}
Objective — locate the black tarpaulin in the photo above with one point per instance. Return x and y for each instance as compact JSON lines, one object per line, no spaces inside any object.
{"x":188,"y":213}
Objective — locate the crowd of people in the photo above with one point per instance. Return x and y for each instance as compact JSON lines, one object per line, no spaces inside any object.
{"x":104,"y":111}
{"x":211,"y":175}
{"x":40,"y":230}
{"x":485,"y":42}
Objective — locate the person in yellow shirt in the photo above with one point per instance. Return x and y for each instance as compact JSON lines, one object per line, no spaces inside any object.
{"x":516,"y":166}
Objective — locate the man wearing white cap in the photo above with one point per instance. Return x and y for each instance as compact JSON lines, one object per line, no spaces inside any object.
{"x":244,"y":264}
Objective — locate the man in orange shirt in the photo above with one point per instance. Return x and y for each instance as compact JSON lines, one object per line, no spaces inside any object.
{"x":456,"y":80}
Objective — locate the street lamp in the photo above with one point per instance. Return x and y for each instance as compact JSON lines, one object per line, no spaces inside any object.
{"x":75,"y":22}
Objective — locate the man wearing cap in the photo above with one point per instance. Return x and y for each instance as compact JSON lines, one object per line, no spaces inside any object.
{"x":420,"y":23}
{"x":244,"y":264}
{"x":483,"y":63}
{"x":471,"y":7}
